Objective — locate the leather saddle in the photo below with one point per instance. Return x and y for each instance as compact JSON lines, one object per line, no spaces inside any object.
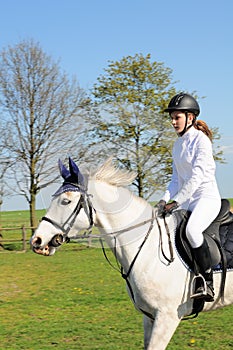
{"x":219,"y":236}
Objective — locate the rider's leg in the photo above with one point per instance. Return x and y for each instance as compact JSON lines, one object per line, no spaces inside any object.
{"x":203,"y":213}
{"x":203,"y":259}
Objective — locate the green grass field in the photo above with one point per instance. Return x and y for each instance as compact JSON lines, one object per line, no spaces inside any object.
{"x":231,"y":201}
{"x":75,"y":300}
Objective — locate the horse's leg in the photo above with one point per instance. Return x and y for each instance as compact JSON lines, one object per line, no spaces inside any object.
{"x":158,"y":333}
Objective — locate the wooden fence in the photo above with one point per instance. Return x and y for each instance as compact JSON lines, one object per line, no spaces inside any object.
{"x":23,"y":229}
{"x":24,"y":240}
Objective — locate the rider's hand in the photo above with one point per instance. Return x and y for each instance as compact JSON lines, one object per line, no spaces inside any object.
{"x":170,"y":207}
{"x":161,"y":207}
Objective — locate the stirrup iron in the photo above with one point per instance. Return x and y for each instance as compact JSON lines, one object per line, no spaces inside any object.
{"x":194,"y":286}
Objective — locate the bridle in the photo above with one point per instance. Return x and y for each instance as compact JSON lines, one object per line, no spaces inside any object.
{"x":83,"y":203}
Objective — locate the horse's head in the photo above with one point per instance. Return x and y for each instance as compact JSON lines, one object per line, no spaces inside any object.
{"x":69,"y":212}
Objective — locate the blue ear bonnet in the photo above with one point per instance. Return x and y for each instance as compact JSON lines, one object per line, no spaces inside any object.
{"x":73,"y":179}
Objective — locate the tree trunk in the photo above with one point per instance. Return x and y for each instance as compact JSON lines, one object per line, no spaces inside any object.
{"x":33,"y":218}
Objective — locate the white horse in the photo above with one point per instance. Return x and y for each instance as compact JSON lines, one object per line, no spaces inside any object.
{"x":158,"y":282}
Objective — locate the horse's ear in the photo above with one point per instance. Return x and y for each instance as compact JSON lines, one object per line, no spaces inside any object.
{"x":63,"y":171}
{"x":75,"y":172}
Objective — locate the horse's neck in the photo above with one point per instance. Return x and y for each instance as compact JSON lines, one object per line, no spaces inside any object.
{"x":125,"y":220}
{"x":119,"y":209}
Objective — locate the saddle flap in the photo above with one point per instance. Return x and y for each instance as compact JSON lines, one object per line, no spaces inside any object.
{"x":225,"y":216}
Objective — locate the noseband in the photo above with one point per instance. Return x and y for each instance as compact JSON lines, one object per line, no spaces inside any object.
{"x":83,"y":203}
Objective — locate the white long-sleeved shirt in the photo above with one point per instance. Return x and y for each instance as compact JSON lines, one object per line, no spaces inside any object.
{"x":194,"y":167}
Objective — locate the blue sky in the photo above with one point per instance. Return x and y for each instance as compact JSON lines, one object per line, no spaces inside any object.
{"x":193,"y":38}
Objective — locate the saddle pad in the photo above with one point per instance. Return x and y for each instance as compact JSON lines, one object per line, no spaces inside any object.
{"x":226,"y":238}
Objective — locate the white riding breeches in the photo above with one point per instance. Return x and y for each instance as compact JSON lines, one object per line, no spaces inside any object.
{"x":203,"y":213}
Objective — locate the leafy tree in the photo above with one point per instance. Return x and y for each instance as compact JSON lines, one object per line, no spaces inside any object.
{"x":217,"y":149}
{"x":43,"y":118}
{"x":130,"y":123}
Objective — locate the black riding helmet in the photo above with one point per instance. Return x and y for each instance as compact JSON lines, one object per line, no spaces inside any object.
{"x":185,"y":103}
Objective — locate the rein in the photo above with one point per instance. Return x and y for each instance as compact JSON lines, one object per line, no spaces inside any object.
{"x":126,"y":275}
{"x":171,"y":259}
{"x":84,"y":203}
{"x":120,"y":268}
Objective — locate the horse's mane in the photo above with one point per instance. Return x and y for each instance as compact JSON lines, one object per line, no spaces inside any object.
{"x":114,"y":175}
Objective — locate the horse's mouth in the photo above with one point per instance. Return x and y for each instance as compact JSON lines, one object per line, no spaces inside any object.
{"x":42,"y":251}
{"x":47,"y":250}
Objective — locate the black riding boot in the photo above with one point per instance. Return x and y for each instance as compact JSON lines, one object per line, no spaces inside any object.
{"x":203,"y":260}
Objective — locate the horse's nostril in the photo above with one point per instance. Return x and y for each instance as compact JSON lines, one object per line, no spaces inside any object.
{"x":36,"y":243}
{"x":56,"y":241}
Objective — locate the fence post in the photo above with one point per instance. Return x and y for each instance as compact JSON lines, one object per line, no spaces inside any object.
{"x":24,"y":238}
{"x":89,"y":241}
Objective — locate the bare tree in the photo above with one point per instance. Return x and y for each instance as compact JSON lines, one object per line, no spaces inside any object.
{"x":4,"y":166}
{"x":43,"y":115}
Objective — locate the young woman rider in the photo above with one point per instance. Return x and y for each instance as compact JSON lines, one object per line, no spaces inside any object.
{"x":193,"y":185}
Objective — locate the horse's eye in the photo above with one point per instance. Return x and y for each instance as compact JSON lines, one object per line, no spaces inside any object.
{"x":65,"y":201}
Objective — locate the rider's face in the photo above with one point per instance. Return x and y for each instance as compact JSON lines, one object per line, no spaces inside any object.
{"x":178,"y":120}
